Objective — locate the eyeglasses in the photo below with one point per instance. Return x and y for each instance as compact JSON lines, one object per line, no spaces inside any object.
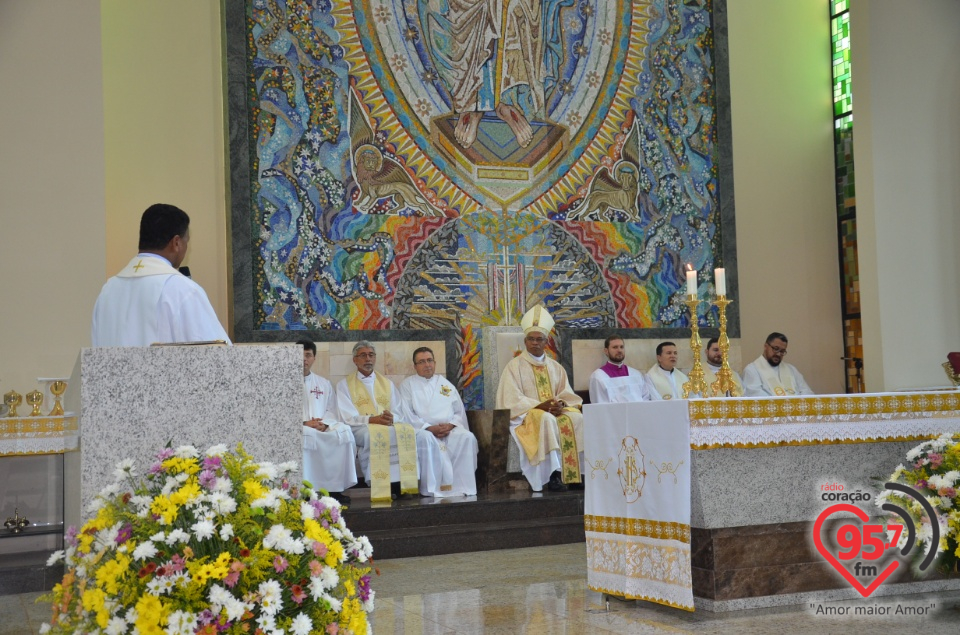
{"x":778,"y":350}
{"x":368,"y":355}
{"x":420,"y":362}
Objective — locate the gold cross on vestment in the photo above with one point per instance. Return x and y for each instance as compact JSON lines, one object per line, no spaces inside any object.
{"x":138,"y":266}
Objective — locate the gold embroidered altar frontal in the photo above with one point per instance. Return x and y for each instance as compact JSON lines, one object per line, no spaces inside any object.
{"x":21,"y":436}
{"x":637,"y":501}
{"x":750,"y":422}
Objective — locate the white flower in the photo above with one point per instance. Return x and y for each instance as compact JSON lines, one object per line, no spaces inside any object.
{"x":366,"y":549}
{"x":334,"y":602}
{"x":124,"y":469}
{"x":110,"y":490}
{"x":301,"y":625}
{"x":107,"y":538}
{"x":160,"y":586}
{"x":222,"y":503}
{"x":177,"y":535}
{"x":945,"y":503}
{"x":203,"y":529}
{"x":116,"y":626}
{"x":307,"y":511}
{"x":186,"y":452}
{"x":217,"y":450}
{"x":144,"y":550}
{"x":316,"y":587}
{"x":142,"y":503}
{"x":267,"y":470}
{"x":915,"y":452}
{"x":235,"y":609}
{"x":218,"y":597}
{"x":95,"y":505}
{"x":368,"y":604}
{"x":55,"y":557}
{"x":44,"y":628}
{"x":180,"y":579}
{"x":271,"y":600}
{"x":266,"y":622}
{"x":159,"y":537}
{"x":276,"y":536}
{"x":951,"y":477}
{"x":271,"y":499}
{"x":287,"y":467}
{"x":181,"y":623}
{"x":222,"y":486}
{"x":329,"y":502}
{"x":226,"y":532}
{"x":329,"y":578}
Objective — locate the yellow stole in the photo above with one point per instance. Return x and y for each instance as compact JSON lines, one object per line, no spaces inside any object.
{"x":380,"y":439}
{"x":528,"y":432}
{"x":781,"y":383}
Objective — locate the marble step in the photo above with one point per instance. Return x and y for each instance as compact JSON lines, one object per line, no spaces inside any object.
{"x":461,"y":538}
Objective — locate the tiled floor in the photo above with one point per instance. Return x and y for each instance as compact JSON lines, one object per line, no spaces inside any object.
{"x":542,"y":590}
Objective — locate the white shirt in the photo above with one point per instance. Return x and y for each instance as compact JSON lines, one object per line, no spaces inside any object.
{"x":432,"y":401}
{"x":634,"y":387}
{"x":140,"y":310}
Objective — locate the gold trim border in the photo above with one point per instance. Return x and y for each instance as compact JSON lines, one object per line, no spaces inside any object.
{"x":600,"y":589}
{"x":639,"y":527}
{"x":824,"y":406}
{"x":804,"y":442}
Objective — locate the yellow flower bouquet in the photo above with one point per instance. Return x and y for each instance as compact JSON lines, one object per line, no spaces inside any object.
{"x":212,"y":544}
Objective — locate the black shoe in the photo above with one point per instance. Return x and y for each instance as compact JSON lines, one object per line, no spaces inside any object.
{"x":556,"y":483}
{"x":340,"y":497}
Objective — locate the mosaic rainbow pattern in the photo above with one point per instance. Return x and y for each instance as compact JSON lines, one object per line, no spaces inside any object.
{"x":401,"y":180}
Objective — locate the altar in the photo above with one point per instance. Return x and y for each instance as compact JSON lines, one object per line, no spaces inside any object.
{"x":756,"y":472}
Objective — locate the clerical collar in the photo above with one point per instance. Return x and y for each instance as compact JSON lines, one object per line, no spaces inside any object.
{"x":538,"y":359}
{"x":615,"y":370}
{"x":669,"y":372}
{"x":152,"y":255}
{"x":363,"y":377}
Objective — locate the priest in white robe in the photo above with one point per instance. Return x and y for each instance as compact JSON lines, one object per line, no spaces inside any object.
{"x":615,"y":382}
{"x":433,"y":403}
{"x":545,"y":417}
{"x":666,"y":378}
{"x":150,"y":301}
{"x":712,"y":367}
{"x":769,"y":375}
{"x":329,"y":450}
{"x":389,"y":448}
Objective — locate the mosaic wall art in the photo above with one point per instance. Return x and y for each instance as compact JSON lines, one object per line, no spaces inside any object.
{"x":449,"y":163}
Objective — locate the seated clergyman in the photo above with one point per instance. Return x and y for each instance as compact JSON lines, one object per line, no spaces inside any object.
{"x":434,"y":404}
{"x":769,"y":375}
{"x":615,"y":382}
{"x":667,"y":379}
{"x":329,"y":450}
{"x":545,"y":418}
{"x":389,"y":449}
{"x":712,"y":367}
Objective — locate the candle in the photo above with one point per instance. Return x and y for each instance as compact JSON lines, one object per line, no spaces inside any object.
{"x":720,"y":281}
{"x":691,"y":281}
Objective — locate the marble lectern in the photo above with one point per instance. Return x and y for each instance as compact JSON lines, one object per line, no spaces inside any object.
{"x":133,"y":401}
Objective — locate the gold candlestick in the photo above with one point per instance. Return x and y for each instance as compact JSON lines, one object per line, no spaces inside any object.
{"x":35,"y":399}
{"x":724,"y":386}
{"x":696,"y":385}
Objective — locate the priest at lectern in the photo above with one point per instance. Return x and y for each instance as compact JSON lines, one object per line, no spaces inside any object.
{"x":150,"y":301}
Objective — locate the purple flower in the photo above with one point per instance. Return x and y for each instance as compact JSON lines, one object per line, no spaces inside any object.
{"x":335,"y":515}
{"x":71,"y":535}
{"x":211,"y":462}
{"x":206,"y":616}
{"x":124,"y":534}
{"x":935,"y":459}
{"x":165,"y":454}
{"x":208,"y":479}
{"x":156,"y":468}
{"x":363,"y":586}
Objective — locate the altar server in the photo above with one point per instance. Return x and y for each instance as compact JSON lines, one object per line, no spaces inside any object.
{"x":149,"y":301}
{"x":769,"y":375}
{"x":390,"y":450}
{"x":434,"y":404}
{"x":615,"y":382}
{"x":545,"y":412}
{"x":329,"y":450}
{"x":667,"y":379}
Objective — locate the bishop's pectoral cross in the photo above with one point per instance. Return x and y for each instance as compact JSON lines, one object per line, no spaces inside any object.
{"x":138,"y":266}
{"x":316,"y":392}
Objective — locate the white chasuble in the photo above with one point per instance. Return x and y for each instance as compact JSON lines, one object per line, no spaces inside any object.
{"x":667,"y":385}
{"x":760,"y":379}
{"x":429,"y":465}
{"x":436,"y":400}
{"x":519,"y":393}
{"x":329,"y":457}
{"x":151,"y":302}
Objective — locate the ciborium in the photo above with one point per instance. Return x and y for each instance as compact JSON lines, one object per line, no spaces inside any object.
{"x":12,"y":399}
{"x":35,"y":399}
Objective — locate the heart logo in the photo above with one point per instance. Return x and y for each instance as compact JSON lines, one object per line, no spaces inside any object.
{"x":854,"y":582}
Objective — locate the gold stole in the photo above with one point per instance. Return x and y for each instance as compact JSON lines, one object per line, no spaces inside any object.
{"x":528,"y":432}
{"x":380,"y":439}
{"x":781,"y":385}
{"x":661,"y":383}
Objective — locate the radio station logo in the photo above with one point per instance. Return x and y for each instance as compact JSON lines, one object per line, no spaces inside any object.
{"x":864,"y":552}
